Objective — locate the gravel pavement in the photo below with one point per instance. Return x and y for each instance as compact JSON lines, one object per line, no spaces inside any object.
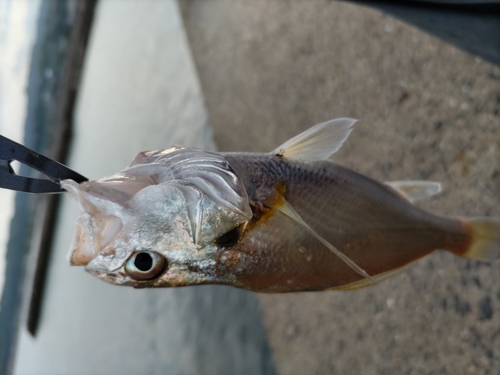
{"x":270,"y":70}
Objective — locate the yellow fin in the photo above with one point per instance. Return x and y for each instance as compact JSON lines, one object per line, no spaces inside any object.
{"x":485,"y":242}
{"x":415,"y":190}
{"x":285,"y":208}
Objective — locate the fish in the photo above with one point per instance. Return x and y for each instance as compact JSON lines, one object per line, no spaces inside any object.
{"x":290,"y":220}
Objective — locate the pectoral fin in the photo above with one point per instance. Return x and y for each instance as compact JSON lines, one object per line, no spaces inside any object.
{"x":415,"y":190}
{"x":285,"y":208}
{"x":318,"y":142}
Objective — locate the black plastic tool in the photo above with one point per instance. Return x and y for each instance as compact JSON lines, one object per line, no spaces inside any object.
{"x":10,"y":151}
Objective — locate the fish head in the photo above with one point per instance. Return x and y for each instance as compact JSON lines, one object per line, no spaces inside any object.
{"x":158,"y":223}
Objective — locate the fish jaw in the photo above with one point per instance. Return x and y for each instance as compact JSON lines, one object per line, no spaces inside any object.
{"x":98,"y":225}
{"x":88,"y":241}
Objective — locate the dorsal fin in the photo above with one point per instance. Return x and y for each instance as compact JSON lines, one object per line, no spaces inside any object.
{"x":415,"y":190}
{"x":318,"y":142}
{"x":285,"y":208}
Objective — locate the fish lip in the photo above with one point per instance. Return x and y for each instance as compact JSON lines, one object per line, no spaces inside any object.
{"x":90,"y":238}
{"x":97,"y":267}
{"x":93,"y":268}
{"x":81,"y":249}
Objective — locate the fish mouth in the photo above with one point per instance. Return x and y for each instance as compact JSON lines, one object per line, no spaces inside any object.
{"x":93,"y":233}
{"x":81,"y":252}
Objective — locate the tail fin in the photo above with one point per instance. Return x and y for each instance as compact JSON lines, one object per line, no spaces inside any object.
{"x":485,"y":242}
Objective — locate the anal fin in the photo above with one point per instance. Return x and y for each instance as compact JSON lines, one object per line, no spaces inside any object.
{"x":415,"y":190}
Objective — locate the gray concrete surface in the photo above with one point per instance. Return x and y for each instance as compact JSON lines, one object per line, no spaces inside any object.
{"x":139,"y":92}
{"x":428,"y":111}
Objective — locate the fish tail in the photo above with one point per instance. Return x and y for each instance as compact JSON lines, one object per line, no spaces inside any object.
{"x":484,"y":237}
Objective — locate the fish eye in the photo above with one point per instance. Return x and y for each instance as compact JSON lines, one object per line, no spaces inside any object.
{"x":145,"y":265}
{"x":232,"y":237}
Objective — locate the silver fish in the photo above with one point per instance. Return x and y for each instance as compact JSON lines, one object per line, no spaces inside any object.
{"x":285,"y":221}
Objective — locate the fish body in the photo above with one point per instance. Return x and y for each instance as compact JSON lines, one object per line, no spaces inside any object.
{"x":367,"y":221}
{"x":285,"y":221}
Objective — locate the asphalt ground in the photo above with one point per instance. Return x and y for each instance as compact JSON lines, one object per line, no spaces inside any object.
{"x":428,"y":111}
